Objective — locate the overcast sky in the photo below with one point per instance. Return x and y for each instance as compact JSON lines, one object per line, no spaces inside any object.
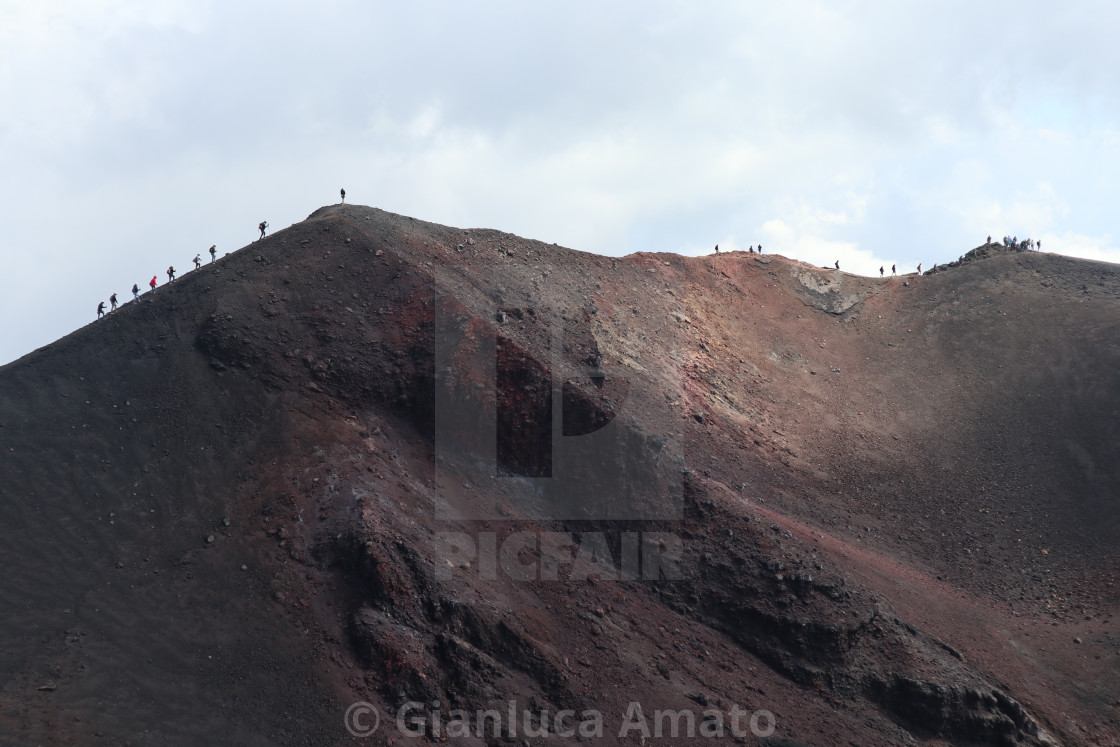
{"x":135,"y":134}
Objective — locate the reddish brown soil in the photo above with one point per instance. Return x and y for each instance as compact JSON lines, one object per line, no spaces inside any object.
{"x":897,"y":499}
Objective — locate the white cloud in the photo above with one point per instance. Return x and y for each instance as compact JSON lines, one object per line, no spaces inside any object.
{"x":135,"y":133}
{"x":798,"y":242}
{"x":1100,"y":248}
{"x":68,"y":67}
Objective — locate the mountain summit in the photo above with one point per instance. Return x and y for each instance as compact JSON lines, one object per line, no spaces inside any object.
{"x":448,"y":473}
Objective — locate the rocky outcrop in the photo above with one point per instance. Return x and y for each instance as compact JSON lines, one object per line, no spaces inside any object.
{"x":824,"y":290}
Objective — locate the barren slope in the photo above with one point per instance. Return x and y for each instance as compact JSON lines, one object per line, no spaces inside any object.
{"x":225,"y":508}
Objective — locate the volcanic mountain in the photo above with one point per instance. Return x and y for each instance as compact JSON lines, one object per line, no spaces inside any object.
{"x":499,"y":486}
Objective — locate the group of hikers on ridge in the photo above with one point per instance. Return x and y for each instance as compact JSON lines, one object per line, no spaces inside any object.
{"x":262,"y":227}
{"x":1011,"y":242}
{"x":154,"y":281}
{"x":882,"y":270}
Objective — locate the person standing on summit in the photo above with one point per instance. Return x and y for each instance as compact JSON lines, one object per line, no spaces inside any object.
{"x":343,"y":192}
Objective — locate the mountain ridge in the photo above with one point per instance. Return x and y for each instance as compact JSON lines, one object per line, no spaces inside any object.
{"x":278,"y":409}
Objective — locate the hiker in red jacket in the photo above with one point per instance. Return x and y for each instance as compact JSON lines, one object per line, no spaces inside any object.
{"x":153,"y":283}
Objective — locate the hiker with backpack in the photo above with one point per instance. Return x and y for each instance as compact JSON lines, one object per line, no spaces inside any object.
{"x":262,"y":226}
{"x":197,"y":261}
{"x":170,"y":273}
{"x":135,"y":292}
{"x":100,"y":309}
{"x":213,"y":251}
{"x":113,"y":302}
